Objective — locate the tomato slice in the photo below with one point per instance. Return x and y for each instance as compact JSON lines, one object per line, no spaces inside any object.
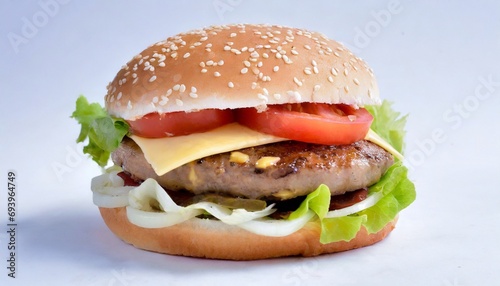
{"x":310,"y":122}
{"x":155,"y":125}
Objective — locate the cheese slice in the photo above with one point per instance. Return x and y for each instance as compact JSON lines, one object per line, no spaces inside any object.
{"x":166,"y":154}
{"x":375,"y":138}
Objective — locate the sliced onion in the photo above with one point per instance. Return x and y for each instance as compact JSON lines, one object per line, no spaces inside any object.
{"x":149,"y":196}
{"x":109,"y":191}
{"x":370,"y":201}
{"x":277,"y":228}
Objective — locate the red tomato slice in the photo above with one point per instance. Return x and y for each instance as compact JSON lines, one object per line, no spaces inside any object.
{"x":155,"y":125}
{"x":310,"y":122}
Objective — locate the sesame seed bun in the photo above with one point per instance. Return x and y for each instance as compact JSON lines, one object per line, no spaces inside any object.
{"x":214,"y":239}
{"x":239,"y":66}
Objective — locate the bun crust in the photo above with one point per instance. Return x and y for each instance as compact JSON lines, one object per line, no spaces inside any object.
{"x":239,"y":66}
{"x":213,"y":239}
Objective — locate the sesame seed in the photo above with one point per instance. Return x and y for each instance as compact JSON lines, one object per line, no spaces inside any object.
{"x":336,"y":54}
{"x":236,"y":51}
{"x":155,"y":99}
{"x":135,"y":80}
{"x":276,"y":68}
{"x":179,"y":102}
{"x":246,"y":63}
{"x":263,"y":97}
{"x":278,"y":56}
{"x":266,"y":92}
{"x":163,"y":100}
{"x":230,"y":84}
{"x":161,"y":64}
{"x":297,"y":81}
{"x":221,"y":62}
{"x":315,"y":69}
{"x":316,"y":87}
{"x":244,"y":49}
{"x":193,"y":95}
{"x":176,"y":87}
{"x":210,"y":63}
{"x":193,"y":89}
{"x":119,"y":95}
{"x":330,"y":79}
{"x":346,"y":72}
{"x":227,"y":48}
{"x":203,"y":70}
{"x":259,"y":64}
{"x":277,"y":96}
{"x":232,"y":35}
{"x":254,"y":54}
{"x":169,"y":92}
{"x":202,"y":64}
{"x":182,"y":88}
{"x":173,"y":55}
{"x":129,"y":105}
{"x":294,"y":52}
{"x":346,"y":88}
{"x":217,"y":74}
{"x":153,"y":78}
{"x":307,"y":47}
{"x":254,"y":85}
{"x":255,"y":71}
{"x":307,"y":70}
{"x":265,"y":55}
{"x":244,"y":70}
{"x":356,"y":81}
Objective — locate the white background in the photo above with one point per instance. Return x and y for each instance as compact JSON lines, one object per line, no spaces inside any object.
{"x":438,"y":61}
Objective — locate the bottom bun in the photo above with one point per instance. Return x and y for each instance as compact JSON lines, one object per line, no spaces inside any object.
{"x":213,"y":239}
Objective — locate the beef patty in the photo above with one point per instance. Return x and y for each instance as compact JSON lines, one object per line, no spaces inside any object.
{"x":301,"y":168}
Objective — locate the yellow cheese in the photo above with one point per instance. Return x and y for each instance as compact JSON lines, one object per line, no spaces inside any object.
{"x":238,"y":157}
{"x":265,"y":162}
{"x":166,"y":154}
{"x":375,"y":138}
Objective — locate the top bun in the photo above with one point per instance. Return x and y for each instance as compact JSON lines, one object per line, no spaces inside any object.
{"x":238,"y":66}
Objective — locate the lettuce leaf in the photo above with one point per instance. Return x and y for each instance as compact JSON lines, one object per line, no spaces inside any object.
{"x":104,"y":132}
{"x":389,"y":124}
{"x":397,"y":191}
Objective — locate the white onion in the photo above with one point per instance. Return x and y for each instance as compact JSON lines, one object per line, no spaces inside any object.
{"x":109,"y":191}
{"x":277,"y":228}
{"x":357,"y":207}
{"x":150,"y":195}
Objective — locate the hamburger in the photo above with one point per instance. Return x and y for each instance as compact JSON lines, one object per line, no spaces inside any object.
{"x":246,"y":142}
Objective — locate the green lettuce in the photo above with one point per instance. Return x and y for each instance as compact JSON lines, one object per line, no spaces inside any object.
{"x":104,"y":132}
{"x":396,"y":190}
{"x":389,"y":124}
